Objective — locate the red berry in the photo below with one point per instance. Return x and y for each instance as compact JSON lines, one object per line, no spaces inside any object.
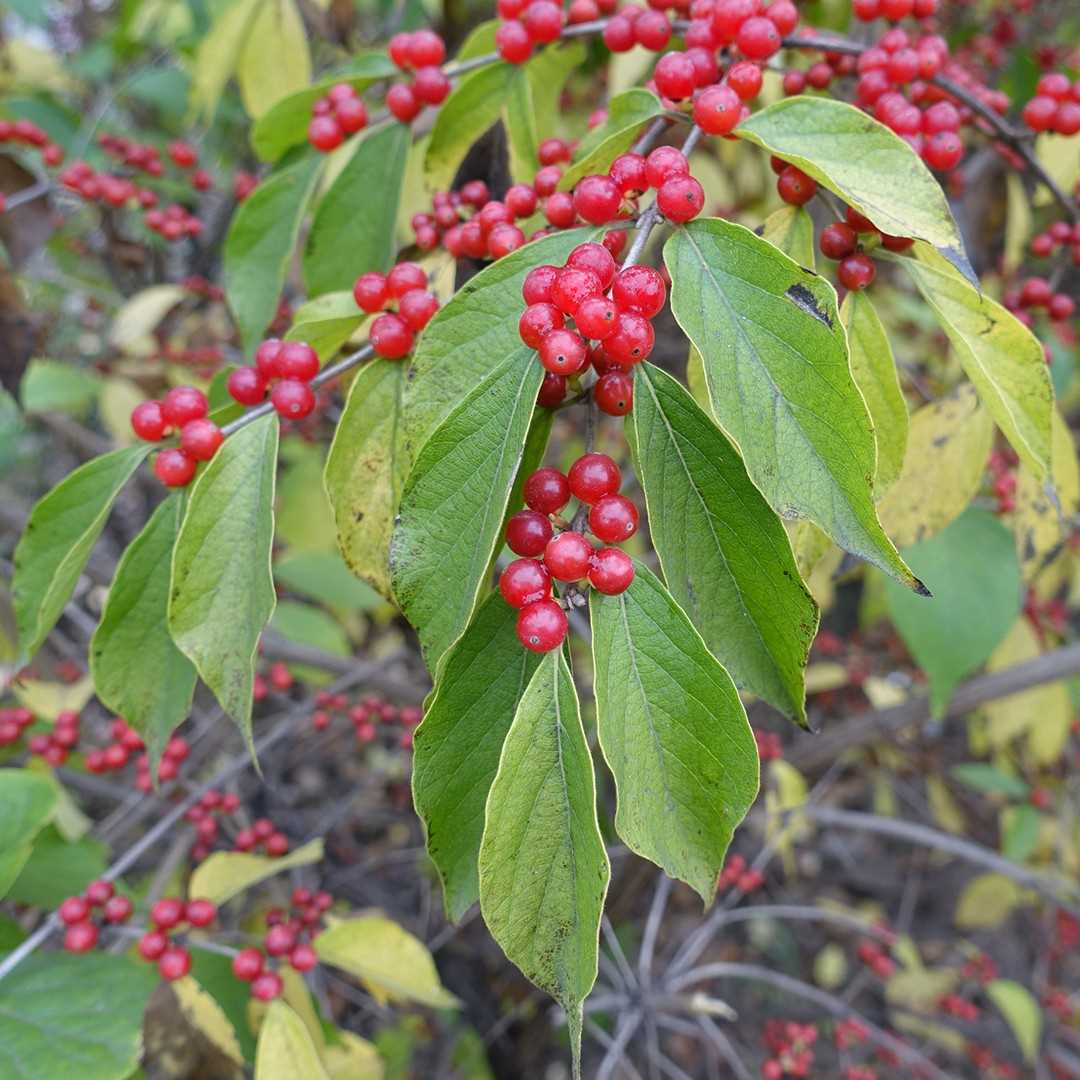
{"x":527,"y":532}
{"x":745,"y":79}
{"x":632,"y":341}
{"x":148,"y":421}
{"x":200,"y":912}
{"x":1060,"y":307}
{"x":629,"y":173}
{"x":639,"y":290}
{"x":572,"y":287}
{"x":352,"y":115}
{"x":298,"y":360}
{"x":552,"y":390}
{"x":303,"y":958}
{"x":597,"y":199}
{"x":543,"y":20}
{"x":559,"y":209}
{"x":675,"y":75}
{"x":425,"y":48}
{"x":548,"y":490}
{"x":97,"y":892}
{"x":390,"y":336}
{"x":537,"y":321}
{"x":595,"y":258}
{"x":152,"y":944}
{"x":167,"y":913}
{"x":611,"y":571}
{"x":293,"y":399}
{"x":174,"y":468}
{"x":118,"y":909}
{"x":200,"y":439}
{"x":403,"y":103}
{"x":795,"y":187}
{"x":370,"y":292}
{"x":837,"y":240}
{"x":521,"y":200}
{"x":619,"y":35}
{"x":613,"y":519}
{"x":717,"y":110}
{"x":614,"y":393}
{"x":652,"y":29}
{"x":184,"y":403}
{"x":325,"y":133}
{"x":551,"y":151}
{"x":279,"y":940}
{"x":567,"y":556}
{"x":266,"y":356}
{"x":542,"y":626}
{"x":663,"y":163}
{"x":267,"y":986}
{"x":547,"y":180}
{"x":405,"y":277}
{"x":75,"y":909}
{"x":512,"y":42}
{"x":758,"y":38}
{"x":246,"y":386}
{"x":504,"y":239}
{"x":943,"y":150}
{"x":525,"y":581}
{"x":1039,"y":113}
{"x":174,"y":963}
{"x":430,"y":85}
{"x":539,"y":281}
{"x":680,"y":199}
{"x":277,"y":844}
{"x":81,"y":937}
{"x":856,"y":272}
{"x":591,"y":477}
{"x":597,"y":318}
{"x":247,"y":964}
{"x":417,"y":307}
{"x":563,"y":351}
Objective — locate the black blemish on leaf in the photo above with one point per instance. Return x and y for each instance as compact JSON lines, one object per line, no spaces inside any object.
{"x":803,"y":298}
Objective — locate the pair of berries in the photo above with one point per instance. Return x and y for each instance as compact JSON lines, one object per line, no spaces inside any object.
{"x":77,"y":914}
{"x":1037,"y":292}
{"x":174,"y":755}
{"x":420,"y":52}
{"x":262,"y":836}
{"x":611,"y":308}
{"x":893,"y":10}
{"x":183,"y":409}
{"x":1060,"y":233}
{"x":526,"y":25}
{"x":526,"y":584}
{"x":392,"y":335}
{"x":339,"y":113}
{"x":1056,"y":105}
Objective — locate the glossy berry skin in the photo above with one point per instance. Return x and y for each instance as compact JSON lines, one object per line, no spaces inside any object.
{"x":597,"y":318}
{"x":528,"y":532}
{"x":403,"y":103}
{"x":563,"y":352}
{"x":370,"y":292}
{"x":573,"y":287}
{"x":298,"y":360}
{"x":717,"y":110}
{"x":592,"y":477}
{"x":543,"y":20}
{"x":758,"y":38}
{"x":303,"y":958}
{"x":292,"y":399}
{"x":595,"y":258}
{"x":663,"y":163}
{"x":75,"y":909}
{"x":430,"y":85}
{"x":325,"y":133}
{"x":795,"y":187}
{"x":524,"y":581}
{"x":200,"y":912}
{"x":352,"y":115}
{"x":152,"y":944}
{"x":856,"y":272}
{"x":97,"y":892}
{"x":745,"y":78}
{"x":613,"y":519}
{"x":174,"y":963}
{"x":184,"y":403}
{"x":629,"y":173}
{"x":552,"y":390}
{"x":597,"y":199}
{"x":943,"y":150}
{"x":675,"y":75}
{"x":279,"y":940}
{"x":639,"y":290}
{"x":542,"y":626}
{"x":521,"y":200}
{"x":247,"y":964}
{"x":81,"y":937}
{"x":632,"y":341}
{"x":512,"y":42}
{"x":390,"y":337}
{"x":417,"y":307}
{"x":838,"y":240}
{"x":148,"y":421}
{"x":174,"y":468}
{"x":548,"y":490}
{"x":405,"y":277}
{"x":537,"y":321}
{"x":118,"y":909}
{"x":539,"y":281}
{"x":567,"y":556}
{"x":680,"y":199}
{"x":200,"y":439}
{"x":614,"y":393}
{"x":266,"y":356}
{"x":246,"y":386}
{"x":167,"y":913}
{"x":611,"y":571}
{"x":267,"y":986}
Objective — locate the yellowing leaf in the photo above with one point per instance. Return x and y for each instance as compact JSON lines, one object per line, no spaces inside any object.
{"x":392,"y":964}
{"x":947,"y":448}
{"x":285,"y":1050}
{"x":824,"y":676}
{"x":47,"y":700}
{"x":353,"y":1058}
{"x":944,"y":807}
{"x":920,"y":988}
{"x":1018,"y":228}
{"x":830,"y":967}
{"x":791,"y":229}
{"x":116,"y":401}
{"x":204,"y":1013}
{"x":882,"y":693}
{"x":1059,"y":158}
{"x":275,"y":60}
{"x":986,"y":902}
{"x":141,"y":313}
{"x":219,"y":53}
{"x":1021,"y":1012}
{"x":228,"y":873}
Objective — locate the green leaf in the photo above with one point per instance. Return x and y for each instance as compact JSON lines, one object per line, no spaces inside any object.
{"x":27,"y":802}
{"x":311,"y":626}
{"x":1020,"y":832}
{"x":472,"y":107}
{"x":473,"y":334}
{"x":532,"y":104}
{"x":543,"y":868}
{"x":218,"y":54}
{"x":791,"y":229}
{"x":725,"y":555}
{"x":326,"y":322}
{"x":226,"y":874}
{"x":456,"y":749}
{"x":990,"y":780}
{"x":57,"y":869}
{"x":366,"y":469}
{"x":260,"y":245}
{"x":1000,"y":355}
{"x":222,"y":592}
{"x":66,"y":1015}
{"x":874,"y":371}
{"x":1021,"y":1012}
{"x":285,"y":124}
{"x":138,"y":671}
{"x":673,"y":732}
{"x":452,"y":508}
{"x":355,"y":224}
{"x":275,"y":60}
{"x":393,"y":964}
{"x":975,"y":601}
{"x":58,"y":538}
{"x":627,"y":113}
{"x":286,"y":1049}
{"x":776,"y":367}
{"x":53,"y":386}
{"x":870,"y":167}
{"x":324,"y":577}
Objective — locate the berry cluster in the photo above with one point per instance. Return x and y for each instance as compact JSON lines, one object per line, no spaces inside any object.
{"x":611,"y":309}
{"x":13,"y":723}
{"x":205,"y":815}
{"x":792,"y":184}
{"x":876,"y":958}
{"x":737,"y":875}
{"x":116,"y":754}
{"x":365,"y":716}
{"x":183,"y":409}
{"x":263,"y":837}
{"x":960,"y":1007}
{"x":981,"y":968}
{"x":286,"y":367}
{"x":28,"y":133}
{"x":568,"y":556}
{"x":792,"y":1048}
{"x":849,"y":1033}
{"x":288,"y":937}
{"x":1055,"y":106}
{"x":528,"y":23}
{"x":167,"y":916}
{"x":1036,"y":293}
{"x":172,"y":757}
{"x":77,"y":914}
{"x":840,"y":242}
{"x":893,"y":10}
{"x":391,"y":334}
{"x":339,"y":113}
{"x":419,"y":52}
{"x":1060,"y":234}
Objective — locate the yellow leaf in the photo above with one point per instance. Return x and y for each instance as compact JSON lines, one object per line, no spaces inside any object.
{"x":791,"y":229}
{"x":285,"y":1050}
{"x":218,"y":55}
{"x":25,"y":66}
{"x":47,"y":700}
{"x":353,"y":1058}
{"x":116,"y":401}
{"x":1059,"y":158}
{"x":787,"y":791}
{"x":1043,"y":713}
{"x":204,"y":1013}
{"x":883,"y":693}
{"x":825,"y":676}
{"x":1044,"y":511}
{"x":944,"y":807}
{"x":141,"y":314}
{"x":1017,"y":223}
{"x":830,"y":967}
{"x":920,"y":988}
{"x":228,"y":873}
{"x":1021,"y":1012}
{"x":947,"y":448}
{"x":275,"y":60}
{"x":986,"y":902}
{"x":392,"y":964}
